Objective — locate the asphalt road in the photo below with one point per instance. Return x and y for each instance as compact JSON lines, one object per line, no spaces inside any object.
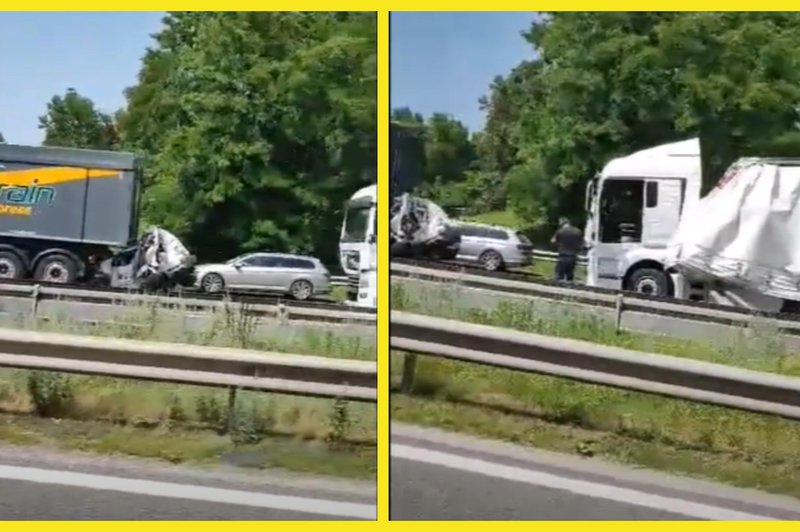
{"x":443,"y":476}
{"x":41,"y":485}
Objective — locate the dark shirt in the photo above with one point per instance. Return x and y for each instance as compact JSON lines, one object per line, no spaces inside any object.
{"x":569,"y":240}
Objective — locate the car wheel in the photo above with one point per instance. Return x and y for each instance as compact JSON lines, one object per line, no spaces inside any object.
{"x":56,"y":269}
{"x":212,"y":283}
{"x":10,"y":266}
{"x":491,"y":261}
{"x":301,"y":289}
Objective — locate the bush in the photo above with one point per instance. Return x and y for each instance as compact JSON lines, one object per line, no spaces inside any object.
{"x":339,"y":422}
{"x":52,"y":394}
{"x":250,"y":425}
{"x":209,"y":410}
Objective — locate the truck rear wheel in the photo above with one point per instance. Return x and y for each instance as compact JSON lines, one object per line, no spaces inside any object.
{"x":56,"y":269}
{"x":10,"y":266}
{"x":649,"y":281}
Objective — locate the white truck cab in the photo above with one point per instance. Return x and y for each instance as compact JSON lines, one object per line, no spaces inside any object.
{"x":634,"y":206}
{"x":357,"y":246}
{"x":358,"y":229}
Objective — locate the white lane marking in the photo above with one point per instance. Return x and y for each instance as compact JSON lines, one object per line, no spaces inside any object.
{"x":580,"y":487}
{"x":184,"y":491}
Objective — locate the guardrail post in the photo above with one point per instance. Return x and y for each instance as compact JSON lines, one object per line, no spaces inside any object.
{"x":34,"y":301}
{"x":409,"y":369}
{"x":618,"y":313}
{"x":230,"y":416}
{"x":283,"y":313}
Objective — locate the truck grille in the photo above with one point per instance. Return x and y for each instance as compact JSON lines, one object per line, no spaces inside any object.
{"x":352,"y":287}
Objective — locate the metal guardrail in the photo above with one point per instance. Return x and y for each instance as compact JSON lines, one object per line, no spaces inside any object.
{"x":681,"y":378}
{"x":38,"y":293}
{"x":552,"y":256}
{"x":620,"y":303}
{"x":190,"y":364}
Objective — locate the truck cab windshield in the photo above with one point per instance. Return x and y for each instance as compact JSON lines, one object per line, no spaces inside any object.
{"x":356,"y":222}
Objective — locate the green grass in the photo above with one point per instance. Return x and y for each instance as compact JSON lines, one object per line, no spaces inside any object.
{"x":233,"y":328}
{"x":190,"y":445}
{"x":182,"y":423}
{"x":506,"y":218}
{"x":736,"y":447}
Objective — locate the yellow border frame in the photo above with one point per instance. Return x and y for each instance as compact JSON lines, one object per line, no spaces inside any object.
{"x":383,"y":266}
{"x":382,"y":8}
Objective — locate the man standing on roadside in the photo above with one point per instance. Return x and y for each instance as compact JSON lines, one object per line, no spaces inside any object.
{"x":569,"y":240}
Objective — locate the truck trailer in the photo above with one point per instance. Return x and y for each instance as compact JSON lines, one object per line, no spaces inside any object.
{"x":65,"y":213}
{"x":650,"y":231}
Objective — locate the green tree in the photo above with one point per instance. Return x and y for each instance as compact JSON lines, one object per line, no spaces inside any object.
{"x":73,"y":121}
{"x":738,"y":81}
{"x":448,"y":150}
{"x":256,"y":127}
{"x":604,"y":84}
{"x":446,"y":158}
{"x":509,"y":97}
{"x":404,"y":115}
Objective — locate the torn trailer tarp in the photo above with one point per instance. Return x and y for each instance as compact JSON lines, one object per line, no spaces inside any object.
{"x":419,"y":227}
{"x":158,"y":260}
{"x":162,"y":253}
{"x":746,"y":231}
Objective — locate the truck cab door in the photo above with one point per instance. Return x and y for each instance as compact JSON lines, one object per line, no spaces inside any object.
{"x":615,"y":229}
{"x":661,"y":213}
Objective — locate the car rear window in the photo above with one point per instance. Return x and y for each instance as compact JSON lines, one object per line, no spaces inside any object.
{"x":522,"y":238}
{"x":469,"y":230}
{"x":498,"y":234}
{"x":263,"y":261}
{"x":303,"y":264}
{"x":483,"y":232}
{"x":296,"y":264}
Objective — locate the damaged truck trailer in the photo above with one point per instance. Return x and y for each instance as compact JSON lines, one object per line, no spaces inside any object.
{"x":64,"y":212}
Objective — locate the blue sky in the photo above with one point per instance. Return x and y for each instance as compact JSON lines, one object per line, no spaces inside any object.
{"x":444,"y":62}
{"x":441,"y":62}
{"x":98,"y":54}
